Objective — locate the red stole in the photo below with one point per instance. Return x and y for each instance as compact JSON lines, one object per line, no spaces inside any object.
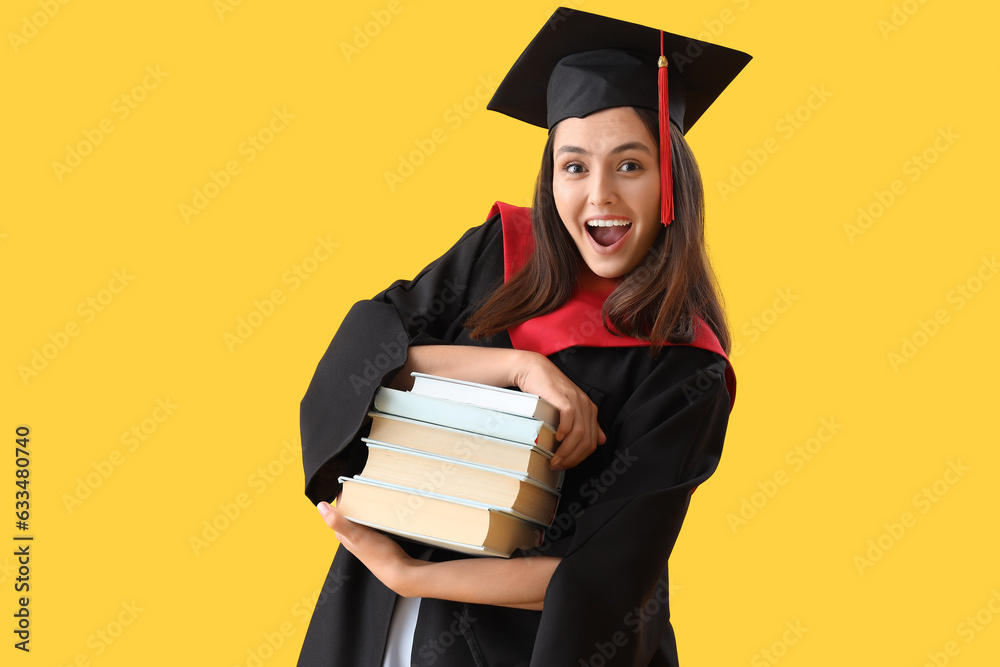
{"x":578,"y":321}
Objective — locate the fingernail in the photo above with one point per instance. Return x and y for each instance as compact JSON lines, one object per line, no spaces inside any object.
{"x":324,"y":508}
{"x":556,"y":462}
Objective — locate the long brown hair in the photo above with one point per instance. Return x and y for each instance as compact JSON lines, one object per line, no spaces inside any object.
{"x":655,"y":301}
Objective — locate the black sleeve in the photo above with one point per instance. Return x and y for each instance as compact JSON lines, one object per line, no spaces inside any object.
{"x":607,"y":600}
{"x":371,"y":346}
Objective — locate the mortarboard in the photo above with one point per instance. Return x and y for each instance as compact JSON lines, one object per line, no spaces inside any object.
{"x":579,"y":63}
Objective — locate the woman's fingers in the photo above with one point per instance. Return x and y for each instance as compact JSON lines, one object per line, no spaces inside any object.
{"x":381,"y":555}
{"x":578,"y":433}
{"x":332,"y":516}
{"x":581,"y":438}
{"x":327,"y":512}
{"x":353,"y":536}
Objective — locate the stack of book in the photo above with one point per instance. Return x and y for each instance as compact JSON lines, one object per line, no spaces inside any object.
{"x":458,"y":465}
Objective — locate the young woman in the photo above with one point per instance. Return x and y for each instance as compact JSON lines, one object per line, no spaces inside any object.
{"x":601,"y":300}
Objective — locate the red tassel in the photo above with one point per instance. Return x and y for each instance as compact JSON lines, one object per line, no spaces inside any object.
{"x":666,"y":164}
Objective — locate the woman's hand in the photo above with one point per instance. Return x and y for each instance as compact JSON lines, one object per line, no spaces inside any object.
{"x":578,"y":433}
{"x":516,"y":582}
{"x":386,"y":559}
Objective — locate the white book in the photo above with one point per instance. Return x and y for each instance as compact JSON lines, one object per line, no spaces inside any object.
{"x":511,"y":401}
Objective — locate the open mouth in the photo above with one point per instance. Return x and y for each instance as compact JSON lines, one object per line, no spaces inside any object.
{"x":607,"y":233}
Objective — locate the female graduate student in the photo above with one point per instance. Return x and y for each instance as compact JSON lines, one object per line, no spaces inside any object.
{"x":600,"y":298}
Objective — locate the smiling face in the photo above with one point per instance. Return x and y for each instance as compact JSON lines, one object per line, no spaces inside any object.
{"x":606,"y":187}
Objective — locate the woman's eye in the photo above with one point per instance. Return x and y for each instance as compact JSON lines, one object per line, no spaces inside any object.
{"x":631,"y":167}
{"x":574,"y":168}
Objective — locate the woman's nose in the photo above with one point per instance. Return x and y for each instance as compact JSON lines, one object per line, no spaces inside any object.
{"x":602,"y":191}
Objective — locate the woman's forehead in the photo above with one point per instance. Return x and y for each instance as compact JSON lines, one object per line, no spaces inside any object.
{"x":604,"y":131}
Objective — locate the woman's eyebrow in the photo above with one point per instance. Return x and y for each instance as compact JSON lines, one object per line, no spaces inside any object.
{"x":630,"y":146}
{"x":572,"y":149}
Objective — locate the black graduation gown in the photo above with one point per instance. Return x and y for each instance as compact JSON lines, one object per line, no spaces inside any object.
{"x":617,"y":520}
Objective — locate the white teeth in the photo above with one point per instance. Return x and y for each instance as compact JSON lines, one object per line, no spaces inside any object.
{"x":608,"y":223}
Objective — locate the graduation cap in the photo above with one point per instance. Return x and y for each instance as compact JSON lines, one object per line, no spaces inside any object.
{"x":580,"y":63}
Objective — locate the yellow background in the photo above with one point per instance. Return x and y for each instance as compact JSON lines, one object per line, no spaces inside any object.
{"x":885,"y":80}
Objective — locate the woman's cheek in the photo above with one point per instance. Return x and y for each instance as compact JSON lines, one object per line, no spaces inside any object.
{"x":565,"y":195}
